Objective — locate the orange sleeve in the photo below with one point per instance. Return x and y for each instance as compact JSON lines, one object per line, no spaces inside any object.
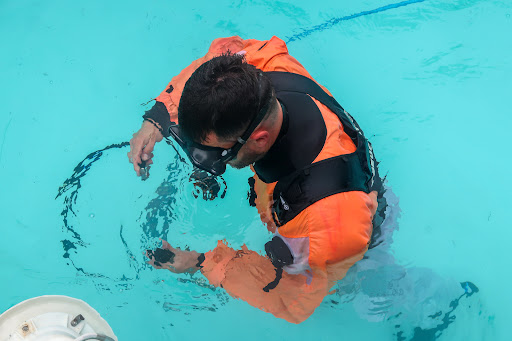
{"x":244,"y":274}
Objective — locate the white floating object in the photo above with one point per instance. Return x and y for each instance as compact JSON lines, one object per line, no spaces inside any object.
{"x":54,"y":318}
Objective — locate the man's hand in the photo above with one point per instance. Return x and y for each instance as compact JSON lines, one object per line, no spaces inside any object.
{"x":142,"y":144}
{"x":173,"y":259}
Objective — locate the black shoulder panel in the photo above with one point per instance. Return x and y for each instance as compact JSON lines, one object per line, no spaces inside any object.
{"x":304,"y":139}
{"x":286,"y":81}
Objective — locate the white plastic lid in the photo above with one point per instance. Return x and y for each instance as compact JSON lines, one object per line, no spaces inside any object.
{"x":52,"y":318}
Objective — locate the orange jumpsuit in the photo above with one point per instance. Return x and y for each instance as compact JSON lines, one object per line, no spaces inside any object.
{"x":326,"y":238}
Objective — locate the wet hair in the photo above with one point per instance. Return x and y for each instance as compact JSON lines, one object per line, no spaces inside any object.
{"x":222,"y":96}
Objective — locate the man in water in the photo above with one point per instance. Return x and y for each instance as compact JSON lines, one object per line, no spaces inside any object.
{"x":249,"y":103}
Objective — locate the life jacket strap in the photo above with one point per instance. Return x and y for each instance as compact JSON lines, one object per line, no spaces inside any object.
{"x":335,"y":175}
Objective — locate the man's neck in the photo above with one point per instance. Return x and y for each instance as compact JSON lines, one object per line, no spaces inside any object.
{"x":276,"y":127}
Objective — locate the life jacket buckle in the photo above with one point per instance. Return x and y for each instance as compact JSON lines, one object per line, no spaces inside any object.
{"x":279,"y":207}
{"x":286,"y":207}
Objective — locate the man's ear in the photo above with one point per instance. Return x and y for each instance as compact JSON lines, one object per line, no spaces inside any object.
{"x":260,"y":139}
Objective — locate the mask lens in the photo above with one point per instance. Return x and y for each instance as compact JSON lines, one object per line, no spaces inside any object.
{"x":207,"y":159}
{"x":203,"y":157}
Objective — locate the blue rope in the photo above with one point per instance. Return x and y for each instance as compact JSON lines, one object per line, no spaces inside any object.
{"x":334,"y":21}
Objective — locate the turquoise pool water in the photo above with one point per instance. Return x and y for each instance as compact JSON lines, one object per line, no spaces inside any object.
{"x":429,"y":82}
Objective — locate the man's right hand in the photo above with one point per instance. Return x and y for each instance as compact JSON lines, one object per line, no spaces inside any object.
{"x":174,"y":259}
{"x":142,"y":144}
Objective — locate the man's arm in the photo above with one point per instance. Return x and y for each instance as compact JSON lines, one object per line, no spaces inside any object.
{"x":244,"y":274}
{"x":158,"y":119}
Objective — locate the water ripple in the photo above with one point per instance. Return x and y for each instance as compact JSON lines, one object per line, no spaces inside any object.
{"x":3,"y":140}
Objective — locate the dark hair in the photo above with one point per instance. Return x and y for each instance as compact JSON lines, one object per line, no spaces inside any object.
{"x":222,"y":96}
